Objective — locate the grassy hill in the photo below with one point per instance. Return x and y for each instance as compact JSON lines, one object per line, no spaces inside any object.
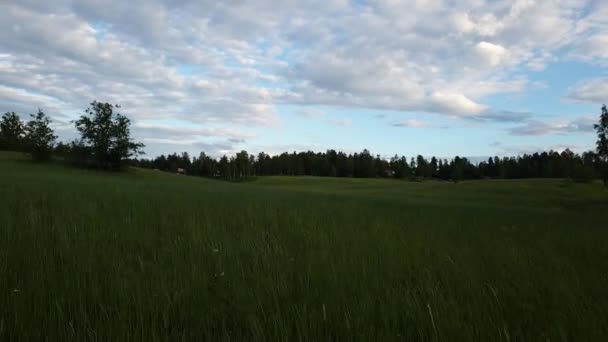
{"x":146,"y":255}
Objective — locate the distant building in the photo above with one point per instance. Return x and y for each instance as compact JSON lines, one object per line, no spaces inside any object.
{"x":389,"y":173}
{"x":181,"y":171}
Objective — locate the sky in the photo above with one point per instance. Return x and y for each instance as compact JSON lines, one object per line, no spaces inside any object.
{"x":444,"y":78}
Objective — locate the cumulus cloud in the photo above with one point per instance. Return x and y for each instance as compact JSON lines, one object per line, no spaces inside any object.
{"x":233,"y":64}
{"x":591,"y":43}
{"x":594,"y":49}
{"x":454,"y":103}
{"x":490,"y":54}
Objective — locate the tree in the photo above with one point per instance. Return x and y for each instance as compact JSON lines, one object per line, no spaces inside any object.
{"x":242,"y":165}
{"x":412,"y":166}
{"x":421,"y":167}
{"x":602,"y":144}
{"x":61,"y":150}
{"x":107,"y":135}
{"x":433,"y":165}
{"x":580,"y":167}
{"x":11,"y":132}
{"x":39,"y":138}
{"x":224,"y":168}
{"x":457,"y":169}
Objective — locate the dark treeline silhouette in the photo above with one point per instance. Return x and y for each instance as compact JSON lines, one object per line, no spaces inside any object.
{"x":105,"y":143}
{"x":105,"y":138}
{"x":365,"y":165}
{"x":584,"y":167}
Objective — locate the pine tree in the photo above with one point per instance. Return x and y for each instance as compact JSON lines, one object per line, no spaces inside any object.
{"x":602,"y":144}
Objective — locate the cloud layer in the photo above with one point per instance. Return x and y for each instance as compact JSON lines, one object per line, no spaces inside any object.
{"x":534,"y":127}
{"x":230,"y":66}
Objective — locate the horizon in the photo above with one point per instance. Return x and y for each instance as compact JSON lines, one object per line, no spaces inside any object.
{"x":476,"y":79}
{"x":474,"y":160}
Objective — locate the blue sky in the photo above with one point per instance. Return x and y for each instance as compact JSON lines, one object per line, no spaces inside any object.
{"x":472,"y":78}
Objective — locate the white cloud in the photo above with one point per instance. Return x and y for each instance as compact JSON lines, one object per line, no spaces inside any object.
{"x":164,"y":130}
{"x":487,"y":25}
{"x":412,"y":123}
{"x":455,"y":103}
{"x":230,"y":64}
{"x":593,"y":90}
{"x":463,"y":22}
{"x":520,"y":149}
{"x":340,"y":122}
{"x":582,"y":124}
{"x":310,"y":113}
{"x":590,"y":38}
{"x":503,"y":116}
{"x":491,"y":54}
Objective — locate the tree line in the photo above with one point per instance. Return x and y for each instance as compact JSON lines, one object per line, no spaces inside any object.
{"x":105,"y":139}
{"x":567,"y":164}
{"x":552,"y":164}
{"x":105,"y":142}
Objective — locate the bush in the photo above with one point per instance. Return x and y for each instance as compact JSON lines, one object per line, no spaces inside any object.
{"x":77,"y":154}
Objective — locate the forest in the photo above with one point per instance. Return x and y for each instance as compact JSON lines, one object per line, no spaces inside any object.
{"x":333,"y":163}
{"x":106,"y":143}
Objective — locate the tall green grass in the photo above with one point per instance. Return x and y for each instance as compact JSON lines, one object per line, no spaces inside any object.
{"x":153,"y":256}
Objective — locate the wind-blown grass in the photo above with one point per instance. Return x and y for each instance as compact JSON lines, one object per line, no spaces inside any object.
{"x":152,"y":256}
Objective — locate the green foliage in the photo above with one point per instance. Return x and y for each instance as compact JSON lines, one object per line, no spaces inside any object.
{"x":149,"y":256}
{"x":602,"y":143}
{"x":61,"y":150}
{"x":78,"y":154}
{"x":106,"y":135}
{"x":39,"y":138}
{"x":584,"y":174}
{"x":457,"y":168}
{"x":400,"y":167}
{"x":11,"y":132}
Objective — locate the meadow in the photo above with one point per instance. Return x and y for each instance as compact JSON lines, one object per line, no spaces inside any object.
{"x":146,"y":255}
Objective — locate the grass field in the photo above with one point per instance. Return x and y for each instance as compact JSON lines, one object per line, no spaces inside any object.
{"x":152,"y":256}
